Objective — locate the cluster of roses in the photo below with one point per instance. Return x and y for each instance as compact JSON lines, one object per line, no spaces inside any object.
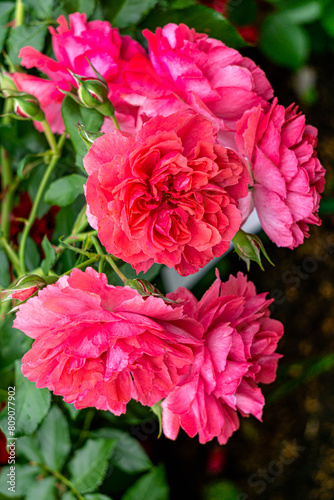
{"x":200,"y":147}
{"x":100,"y":345}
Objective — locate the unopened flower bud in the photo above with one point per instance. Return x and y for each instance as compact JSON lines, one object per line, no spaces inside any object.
{"x":26,"y":106}
{"x":24,"y":294}
{"x":93,"y":93}
{"x":27,"y":286}
{"x":146,"y":289}
{"x":249,"y":247}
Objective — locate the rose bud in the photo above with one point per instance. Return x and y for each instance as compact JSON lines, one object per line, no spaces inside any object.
{"x":26,"y":106}
{"x":93,"y":93}
{"x":249,"y":247}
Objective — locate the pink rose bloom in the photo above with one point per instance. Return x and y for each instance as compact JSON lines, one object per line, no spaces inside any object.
{"x":238,"y":353}
{"x":188,"y":69}
{"x":106,"y":49}
{"x":100,"y":345}
{"x":168,"y":195}
{"x":287,"y":175}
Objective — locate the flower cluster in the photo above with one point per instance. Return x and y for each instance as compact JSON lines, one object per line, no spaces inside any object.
{"x":101,"y":345}
{"x":202,"y":127}
{"x":201,"y":144}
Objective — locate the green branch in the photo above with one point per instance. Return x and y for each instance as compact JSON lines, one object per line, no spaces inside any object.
{"x":54,"y":159}
{"x":110,"y":260}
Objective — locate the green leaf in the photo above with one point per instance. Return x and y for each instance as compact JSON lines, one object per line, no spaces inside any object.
{"x":97,"y":496}
{"x":44,"y":489}
{"x":93,"y":496}
{"x":128,"y":454}
{"x":13,"y":343}
{"x":4,"y":269}
{"x":284,"y":43}
{"x":69,"y":6}
{"x":306,"y":11}
{"x":87,"y":6}
{"x":327,"y":20}
{"x":54,"y":439}
{"x":242,"y":13}
{"x":73,"y":114}
{"x":92,"y":119}
{"x":69,"y":496}
{"x":64,"y":222}
{"x":182,"y":4}
{"x":203,"y":19}
{"x":32,"y":404}
{"x":112,"y":9}
{"x":29,"y":448}
{"x":64,"y":191}
{"x":50,"y":255}
{"x":29,"y":159}
{"x":157,"y":410}
{"x":73,"y":412}
{"x":25,"y":35}
{"x":89,"y":464}
{"x":6,"y":9}
{"x":25,"y":476}
{"x":32,"y":255}
{"x":42,"y":9}
{"x":151,"y":486}
{"x":132,"y":11}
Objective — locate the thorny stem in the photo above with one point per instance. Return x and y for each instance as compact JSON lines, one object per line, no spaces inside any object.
{"x":99,"y":251}
{"x":49,"y":136}
{"x":84,"y":264}
{"x":19,"y":13}
{"x":114,"y":119}
{"x":110,"y":260}
{"x":54,"y":159}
